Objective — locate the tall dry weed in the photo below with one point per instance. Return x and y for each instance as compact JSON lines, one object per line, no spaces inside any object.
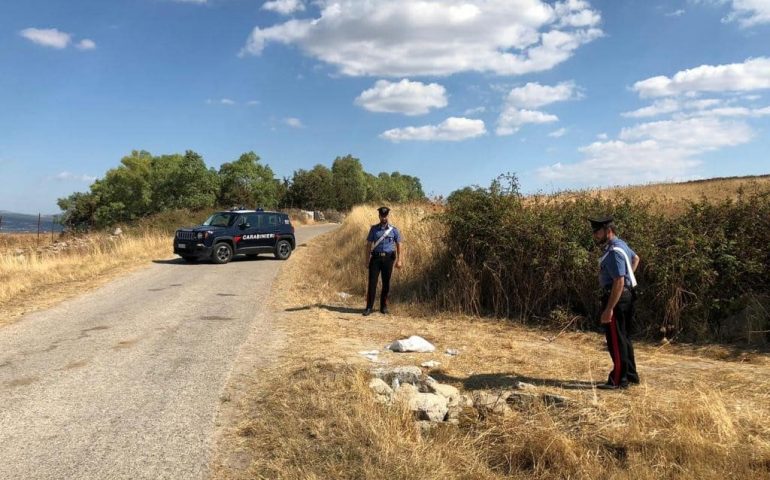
{"x":37,"y":278}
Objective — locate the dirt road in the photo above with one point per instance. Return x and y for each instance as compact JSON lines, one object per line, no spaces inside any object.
{"x":127,"y":381}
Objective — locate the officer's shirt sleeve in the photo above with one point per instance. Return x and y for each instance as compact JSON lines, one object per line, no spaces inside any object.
{"x":616,"y":265}
{"x":396,"y":235}
{"x":371,"y":237}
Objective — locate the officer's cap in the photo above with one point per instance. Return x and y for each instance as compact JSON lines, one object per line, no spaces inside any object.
{"x":384,"y":211}
{"x":597,"y":223}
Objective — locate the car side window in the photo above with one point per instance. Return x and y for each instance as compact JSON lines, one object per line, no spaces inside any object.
{"x":273,"y":220}
{"x":253,"y":220}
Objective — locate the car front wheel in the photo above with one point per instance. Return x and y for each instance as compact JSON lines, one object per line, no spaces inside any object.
{"x":283,"y":250}
{"x":223,"y":253}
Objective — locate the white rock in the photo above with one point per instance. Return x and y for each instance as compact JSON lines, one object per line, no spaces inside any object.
{"x":382,"y":392}
{"x":429,"y":406}
{"x":447,"y":391}
{"x":117,"y":231}
{"x":495,"y":403}
{"x":412,"y":344}
{"x":344,"y":295}
{"x":371,"y":355}
{"x":411,"y":375}
{"x":452,"y":352}
{"x":523,"y":385}
{"x":380,"y":387}
{"x":430,"y":364}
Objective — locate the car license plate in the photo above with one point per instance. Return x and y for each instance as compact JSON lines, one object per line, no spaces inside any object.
{"x":181,"y":245}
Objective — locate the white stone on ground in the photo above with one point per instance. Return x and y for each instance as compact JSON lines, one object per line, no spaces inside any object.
{"x":412,"y":344}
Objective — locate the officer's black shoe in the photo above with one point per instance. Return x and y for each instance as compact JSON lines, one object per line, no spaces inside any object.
{"x":384,"y":310}
{"x":367,"y":312}
{"x":612,"y":386}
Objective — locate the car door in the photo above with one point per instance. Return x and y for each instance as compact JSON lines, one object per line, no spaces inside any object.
{"x":249,"y":234}
{"x":268,"y":229}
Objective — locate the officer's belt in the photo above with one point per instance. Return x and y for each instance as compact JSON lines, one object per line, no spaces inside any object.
{"x":382,"y":254}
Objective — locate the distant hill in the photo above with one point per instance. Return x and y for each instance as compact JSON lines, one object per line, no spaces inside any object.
{"x":20,"y":222}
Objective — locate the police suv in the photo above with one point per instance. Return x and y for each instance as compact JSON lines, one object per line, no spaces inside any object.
{"x":226,"y":234}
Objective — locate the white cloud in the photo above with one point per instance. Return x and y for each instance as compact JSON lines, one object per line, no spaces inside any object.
{"x":671,"y":105}
{"x":748,"y":13}
{"x":400,"y":38}
{"x":475,"y":111}
{"x":47,"y":37}
{"x":533,"y":95}
{"x":221,"y":101}
{"x":659,"y":107}
{"x":252,"y":103}
{"x":199,"y":2}
{"x":452,"y":129}
{"x":602,"y":136}
{"x":676,"y":13}
{"x":293,"y":122}
{"x":653,"y":151}
{"x":753,"y":74}
{"x":86,"y":44}
{"x":284,"y":7}
{"x":512,"y":119}
{"x":68,"y":177}
{"x":558,"y":133}
{"x":516,"y":111}
{"x":733,"y":112}
{"x":409,"y":98}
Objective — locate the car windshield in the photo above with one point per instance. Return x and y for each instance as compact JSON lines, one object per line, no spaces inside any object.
{"x":220,"y":220}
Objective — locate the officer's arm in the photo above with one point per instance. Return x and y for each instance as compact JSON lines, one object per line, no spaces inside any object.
{"x":399,"y":255}
{"x":635,"y":262}
{"x":368,"y":252}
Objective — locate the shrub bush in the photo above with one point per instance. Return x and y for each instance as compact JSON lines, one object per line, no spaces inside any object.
{"x":703,"y":274}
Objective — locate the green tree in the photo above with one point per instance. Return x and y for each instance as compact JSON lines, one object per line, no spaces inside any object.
{"x":183,"y":181}
{"x":125,"y":192}
{"x":247,"y":182}
{"x":349,"y":182}
{"x":312,"y":189}
{"x":79,"y":210}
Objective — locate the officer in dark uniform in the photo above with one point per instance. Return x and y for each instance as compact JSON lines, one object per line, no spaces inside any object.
{"x":616,"y":277}
{"x":383,"y":250}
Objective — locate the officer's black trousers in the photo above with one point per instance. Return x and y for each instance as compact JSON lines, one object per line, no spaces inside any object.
{"x":379,"y":265}
{"x":619,"y":341}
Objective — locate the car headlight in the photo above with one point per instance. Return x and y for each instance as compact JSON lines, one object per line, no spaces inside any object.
{"x":200,"y":235}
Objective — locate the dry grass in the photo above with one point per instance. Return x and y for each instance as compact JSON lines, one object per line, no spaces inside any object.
{"x":37,"y":279}
{"x":314,"y":418}
{"x":673,"y":197}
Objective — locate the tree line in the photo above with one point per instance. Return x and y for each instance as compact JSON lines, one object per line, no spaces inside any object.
{"x":144,"y":184}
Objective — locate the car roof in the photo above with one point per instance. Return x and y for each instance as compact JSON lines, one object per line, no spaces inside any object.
{"x":250,"y":211}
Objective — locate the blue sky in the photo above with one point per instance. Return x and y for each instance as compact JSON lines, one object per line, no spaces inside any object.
{"x":567,"y":94}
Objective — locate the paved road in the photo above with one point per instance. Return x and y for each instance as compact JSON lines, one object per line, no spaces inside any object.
{"x":125,"y":382}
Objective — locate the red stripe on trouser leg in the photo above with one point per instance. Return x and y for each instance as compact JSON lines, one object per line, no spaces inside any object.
{"x":615,"y":350}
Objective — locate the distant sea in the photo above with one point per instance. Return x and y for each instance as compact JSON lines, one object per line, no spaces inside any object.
{"x":21,"y":223}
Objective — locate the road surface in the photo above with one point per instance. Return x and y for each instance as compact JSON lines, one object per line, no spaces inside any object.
{"x":125,"y":382}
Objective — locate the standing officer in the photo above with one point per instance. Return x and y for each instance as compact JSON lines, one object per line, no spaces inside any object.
{"x":616,"y":276}
{"x":383,"y":249}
